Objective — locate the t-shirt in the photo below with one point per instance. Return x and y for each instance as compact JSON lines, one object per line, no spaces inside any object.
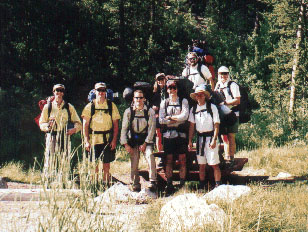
{"x":203,"y":120}
{"x":101,"y":120}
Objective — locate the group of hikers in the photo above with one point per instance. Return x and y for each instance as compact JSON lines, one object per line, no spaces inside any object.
{"x":169,"y":122}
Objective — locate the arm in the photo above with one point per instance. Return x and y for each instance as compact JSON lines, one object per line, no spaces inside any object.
{"x":124,"y":131}
{"x":191,"y":134}
{"x":86,"y":125}
{"x":44,"y":121}
{"x":234,"y":102}
{"x":75,"y":119}
{"x":151,"y":127}
{"x":216,"y":130}
{"x":115,"y":133}
{"x":183,"y":116}
{"x":162,"y":114}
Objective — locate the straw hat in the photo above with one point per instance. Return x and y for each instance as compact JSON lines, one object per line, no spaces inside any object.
{"x":205,"y":89}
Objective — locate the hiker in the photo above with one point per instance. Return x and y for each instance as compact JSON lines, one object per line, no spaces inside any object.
{"x":59,"y":120}
{"x":160,"y":93}
{"x":100,"y":128}
{"x":173,"y":114}
{"x":137,"y":135}
{"x":232,"y":98}
{"x":204,"y":118}
{"x":197,"y":72}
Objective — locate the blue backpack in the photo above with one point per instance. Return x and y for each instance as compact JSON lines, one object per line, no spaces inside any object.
{"x":92,"y":95}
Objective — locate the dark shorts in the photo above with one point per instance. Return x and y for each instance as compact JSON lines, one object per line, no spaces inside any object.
{"x":104,"y":152}
{"x":229,"y":129}
{"x":175,"y":146}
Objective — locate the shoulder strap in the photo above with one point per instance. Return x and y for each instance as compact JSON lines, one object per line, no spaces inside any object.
{"x":209,"y":108}
{"x":166,"y":105}
{"x":229,"y":89}
{"x":49,"y":106}
{"x":199,"y":71}
{"x":132,"y":116}
{"x":194,"y":110}
{"x":109,"y":103}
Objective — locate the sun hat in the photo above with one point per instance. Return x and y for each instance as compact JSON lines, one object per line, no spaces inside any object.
{"x":58,"y":86}
{"x":223,"y":69}
{"x":100,"y":85}
{"x":205,"y":89}
{"x":159,"y":75}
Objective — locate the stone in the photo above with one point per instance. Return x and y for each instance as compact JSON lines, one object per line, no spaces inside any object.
{"x":121,"y":193}
{"x":3,"y":183}
{"x":227,"y":193}
{"x":189,"y":212}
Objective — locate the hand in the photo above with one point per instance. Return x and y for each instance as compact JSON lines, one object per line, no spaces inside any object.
{"x":71,"y":131}
{"x":113,"y":144}
{"x":87,"y":145}
{"x":213,"y":144}
{"x":128,"y":148}
{"x":155,"y":108}
{"x":190,"y":145}
{"x":142,"y":147}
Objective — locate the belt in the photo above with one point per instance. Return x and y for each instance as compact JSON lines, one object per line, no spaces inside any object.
{"x":203,"y":135}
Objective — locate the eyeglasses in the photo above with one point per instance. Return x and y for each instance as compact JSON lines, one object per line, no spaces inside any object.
{"x":172,"y":87}
{"x":59,"y":90}
{"x":160,"y":78}
{"x":138,"y":97}
{"x":223,"y":73}
{"x":192,"y":58}
{"x":101,"y":90}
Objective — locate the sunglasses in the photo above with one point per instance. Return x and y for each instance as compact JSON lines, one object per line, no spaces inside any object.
{"x":101,"y":90}
{"x":172,"y":87}
{"x":138,"y":97}
{"x":223,"y":73}
{"x":193,"y":58}
{"x":160,"y":78}
{"x":59,"y":90}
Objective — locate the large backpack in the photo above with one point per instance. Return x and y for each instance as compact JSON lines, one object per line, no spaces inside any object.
{"x":146,"y":88}
{"x":137,"y":138}
{"x":244,"y":107}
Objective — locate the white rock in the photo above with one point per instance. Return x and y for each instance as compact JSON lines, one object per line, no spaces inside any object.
{"x":283,"y":175}
{"x":121,"y":193}
{"x":189,"y":212}
{"x":227,"y":192}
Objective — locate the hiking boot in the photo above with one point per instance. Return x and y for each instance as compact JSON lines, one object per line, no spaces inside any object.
{"x":202,"y":186}
{"x":153,"y":186}
{"x":135,"y":187}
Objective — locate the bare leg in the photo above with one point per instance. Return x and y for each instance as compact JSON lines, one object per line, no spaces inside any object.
{"x":232,"y":144}
{"x":169,"y":166}
{"x":202,"y":172}
{"x":106,"y":175}
{"x":182,"y":159}
{"x":217,"y":173}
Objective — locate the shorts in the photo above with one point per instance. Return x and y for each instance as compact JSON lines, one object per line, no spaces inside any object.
{"x":210,"y":156}
{"x":104,"y":152}
{"x":175,"y":146}
{"x":230,"y":129}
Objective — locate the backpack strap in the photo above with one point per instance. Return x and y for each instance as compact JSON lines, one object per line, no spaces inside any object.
{"x":199,"y":71}
{"x":65,"y":106}
{"x":229,"y":89}
{"x":49,"y":106}
{"x":208,"y":109}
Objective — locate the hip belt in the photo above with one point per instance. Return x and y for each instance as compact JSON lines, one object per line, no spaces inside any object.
{"x":204,"y":135}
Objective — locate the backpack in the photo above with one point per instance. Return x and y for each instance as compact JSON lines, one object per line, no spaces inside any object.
{"x":110,"y":95}
{"x":184,"y":127}
{"x":49,"y":101}
{"x":244,"y":107}
{"x":146,"y":88}
{"x":91,"y":97}
{"x":227,"y":117}
{"x":137,"y":138}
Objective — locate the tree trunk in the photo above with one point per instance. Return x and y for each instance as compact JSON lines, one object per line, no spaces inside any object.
{"x":296,"y":57}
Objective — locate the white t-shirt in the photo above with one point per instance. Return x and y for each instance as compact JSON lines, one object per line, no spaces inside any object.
{"x":195,"y":77}
{"x":234,"y":88}
{"x":203,"y":120}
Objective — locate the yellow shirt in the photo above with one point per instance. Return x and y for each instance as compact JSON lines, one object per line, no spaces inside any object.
{"x":101,"y":120}
{"x":60,"y":115}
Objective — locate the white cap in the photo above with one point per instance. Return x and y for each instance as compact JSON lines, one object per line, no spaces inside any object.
{"x":223,"y":69}
{"x":100,"y":85}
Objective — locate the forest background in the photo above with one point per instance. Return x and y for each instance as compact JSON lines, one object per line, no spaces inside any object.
{"x":81,"y":42}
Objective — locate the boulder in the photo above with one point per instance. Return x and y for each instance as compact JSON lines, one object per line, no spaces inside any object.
{"x":3,"y":183}
{"x":189,"y":212}
{"x":227,"y":193}
{"x":121,"y":193}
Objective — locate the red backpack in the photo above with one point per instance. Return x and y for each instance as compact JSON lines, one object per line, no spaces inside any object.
{"x":41,"y":105}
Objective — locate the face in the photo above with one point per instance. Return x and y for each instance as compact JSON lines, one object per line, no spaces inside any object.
{"x":192,"y":60}
{"x":224,"y":76}
{"x":200,"y":98}
{"x":139,"y":100}
{"x":101,"y":92}
{"x":58,"y":92}
{"x":172,"y":90}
